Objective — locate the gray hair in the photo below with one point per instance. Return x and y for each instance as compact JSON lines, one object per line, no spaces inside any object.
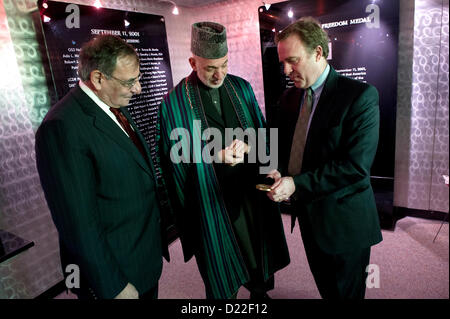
{"x":101,"y":53}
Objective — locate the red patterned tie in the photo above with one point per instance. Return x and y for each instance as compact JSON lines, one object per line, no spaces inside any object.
{"x":127,"y":127}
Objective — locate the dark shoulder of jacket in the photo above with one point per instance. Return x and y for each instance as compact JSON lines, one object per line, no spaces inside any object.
{"x":61,"y":115}
{"x":65,"y":108}
{"x":351,"y":86}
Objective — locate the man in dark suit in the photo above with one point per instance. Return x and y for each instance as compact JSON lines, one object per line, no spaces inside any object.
{"x":328,"y":139}
{"x":99,"y":180}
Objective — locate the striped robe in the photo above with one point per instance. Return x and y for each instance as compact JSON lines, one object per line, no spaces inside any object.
{"x":207,"y":229}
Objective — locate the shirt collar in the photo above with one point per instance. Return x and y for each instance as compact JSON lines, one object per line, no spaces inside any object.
{"x":94,"y":97}
{"x":320,"y":81}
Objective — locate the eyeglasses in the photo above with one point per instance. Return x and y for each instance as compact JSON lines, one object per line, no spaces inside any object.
{"x":128,"y":83}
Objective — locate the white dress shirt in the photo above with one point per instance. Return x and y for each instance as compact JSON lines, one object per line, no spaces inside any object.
{"x":100,"y":103}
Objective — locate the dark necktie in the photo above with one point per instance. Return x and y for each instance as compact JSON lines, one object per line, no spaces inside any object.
{"x":299,"y":140}
{"x":127,"y":127}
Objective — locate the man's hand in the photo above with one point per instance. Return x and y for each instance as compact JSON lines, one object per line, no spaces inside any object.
{"x":282,"y":189}
{"x":274,"y":174}
{"x":240,"y":148}
{"x":234,"y":153}
{"x":129,"y":292}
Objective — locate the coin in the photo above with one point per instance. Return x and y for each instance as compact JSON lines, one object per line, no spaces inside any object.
{"x":263,"y":187}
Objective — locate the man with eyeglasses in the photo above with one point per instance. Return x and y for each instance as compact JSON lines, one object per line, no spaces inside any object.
{"x":99,"y":180}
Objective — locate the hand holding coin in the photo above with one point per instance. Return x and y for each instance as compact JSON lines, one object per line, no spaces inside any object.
{"x":264,"y":187}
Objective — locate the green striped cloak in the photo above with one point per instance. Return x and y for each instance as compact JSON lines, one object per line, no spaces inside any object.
{"x":207,"y":227}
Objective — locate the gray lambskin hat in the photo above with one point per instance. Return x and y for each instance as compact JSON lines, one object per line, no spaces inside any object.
{"x":209,"y":40}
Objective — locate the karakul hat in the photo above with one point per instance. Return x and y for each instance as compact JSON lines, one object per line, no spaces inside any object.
{"x":209,"y":40}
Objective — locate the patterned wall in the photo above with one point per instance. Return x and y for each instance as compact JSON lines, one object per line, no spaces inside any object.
{"x":240,"y":17}
{"x":438,"y":25}
{"x":422,"y":119}
{"x":422,"y":153}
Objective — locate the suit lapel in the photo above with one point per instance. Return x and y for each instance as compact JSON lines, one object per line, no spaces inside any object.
{"x":104,"y":124}
{"x":141,"y":138}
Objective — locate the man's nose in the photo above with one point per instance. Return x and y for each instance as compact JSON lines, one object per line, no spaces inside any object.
{"x":136,"y":88}
{"x":218,"y":74}
{"x":287,"y":68}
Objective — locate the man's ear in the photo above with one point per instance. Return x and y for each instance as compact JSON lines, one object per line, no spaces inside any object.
{"x":193,"y":64}
{"x":319,"y":53}
{"x":96,"y":79}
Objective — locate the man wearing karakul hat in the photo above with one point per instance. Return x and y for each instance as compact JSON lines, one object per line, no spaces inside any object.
{"x":232,"y":229}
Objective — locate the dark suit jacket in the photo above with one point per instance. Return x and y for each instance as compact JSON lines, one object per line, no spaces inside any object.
{"x":334,"y":192}
{"x":102,"y":196}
